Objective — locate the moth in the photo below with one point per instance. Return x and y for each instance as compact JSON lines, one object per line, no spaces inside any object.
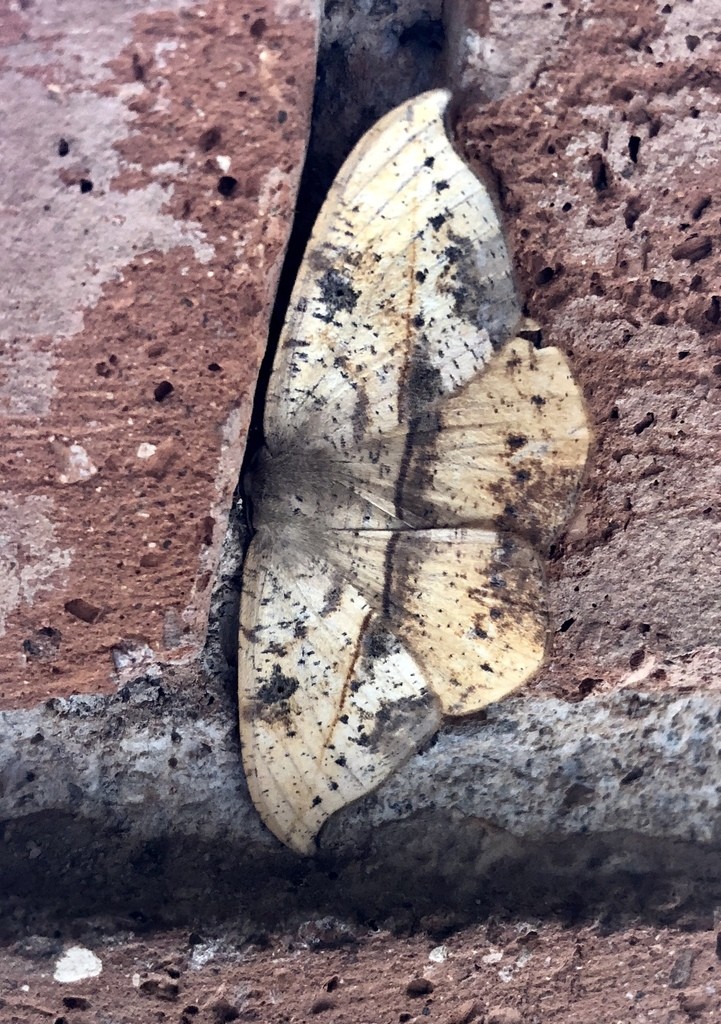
{"x":419,"y":455}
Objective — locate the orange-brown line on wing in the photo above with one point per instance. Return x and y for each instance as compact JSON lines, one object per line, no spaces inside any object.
{"x":349,"y":675}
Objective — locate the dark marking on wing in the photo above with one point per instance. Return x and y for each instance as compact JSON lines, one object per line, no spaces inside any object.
{"x":331,"y":600}
{"x":359,"y":420}
{"x":422,"y":389}
{"x":478,"y":629}
{"x":278,"y":649}
{"x":279,"y":687}
{"x":424,"y":385}
{"x":531,"y":494}
{"x":482,"y":290}
{"x":394,"y":721}
{"x":408,"y":316}
{"x":405,"y":555}
{"x":388,"y":571}
{"x":516,"y":441}
{"x":378,"y":644}
{"x":337,"y":293}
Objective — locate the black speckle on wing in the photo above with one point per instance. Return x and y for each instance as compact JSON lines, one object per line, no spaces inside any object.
{"x":396,"y":719}
{"x":279,"y":687}
{"x":516,"y":441}
{"x":419,"y":394}
{"x":378,"y":644}
{"x":337,"y":294}
{"x":360,"y":415}
{"x":331,"y":600}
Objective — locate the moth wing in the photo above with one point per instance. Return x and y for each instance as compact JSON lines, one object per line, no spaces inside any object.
{"x":417,"y":452}
{"x":507,"y":450}
{"x":404,"y":291}
{"x":331,"y":703}
{"x":468,"y":604}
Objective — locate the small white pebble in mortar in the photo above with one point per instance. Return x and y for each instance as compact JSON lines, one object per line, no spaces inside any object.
{"x":145,"y":450}
{"x":492,"y":957}
{"x":438,"y":954}
{"x":223,"y":163}
{"x":76,"y":964}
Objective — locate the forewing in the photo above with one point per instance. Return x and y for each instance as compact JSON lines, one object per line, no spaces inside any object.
{"x":404,"y":291}
{"x":469,"y":605}
{"x":330,"y":701}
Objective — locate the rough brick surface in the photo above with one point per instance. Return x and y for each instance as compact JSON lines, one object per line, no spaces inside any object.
{"x":607,"y":159}
{"x":147,"y":204}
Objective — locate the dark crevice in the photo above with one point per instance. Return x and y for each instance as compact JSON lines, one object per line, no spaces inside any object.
{"x":348,"y":100}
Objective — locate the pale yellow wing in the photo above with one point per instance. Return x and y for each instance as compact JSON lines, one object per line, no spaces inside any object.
{"x":352,"y":645}
{"x":330,"y":701}
{"x":506,"y":451}
{"x":468,"y":604}
{"x":404,"y":291}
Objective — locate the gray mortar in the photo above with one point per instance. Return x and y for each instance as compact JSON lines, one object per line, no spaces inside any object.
{"x":137,"y":804}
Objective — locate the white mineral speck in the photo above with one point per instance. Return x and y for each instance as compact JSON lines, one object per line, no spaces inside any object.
{"x":492,"y":957}
{"x":79,"y":466}
{"x":76,"y":964}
